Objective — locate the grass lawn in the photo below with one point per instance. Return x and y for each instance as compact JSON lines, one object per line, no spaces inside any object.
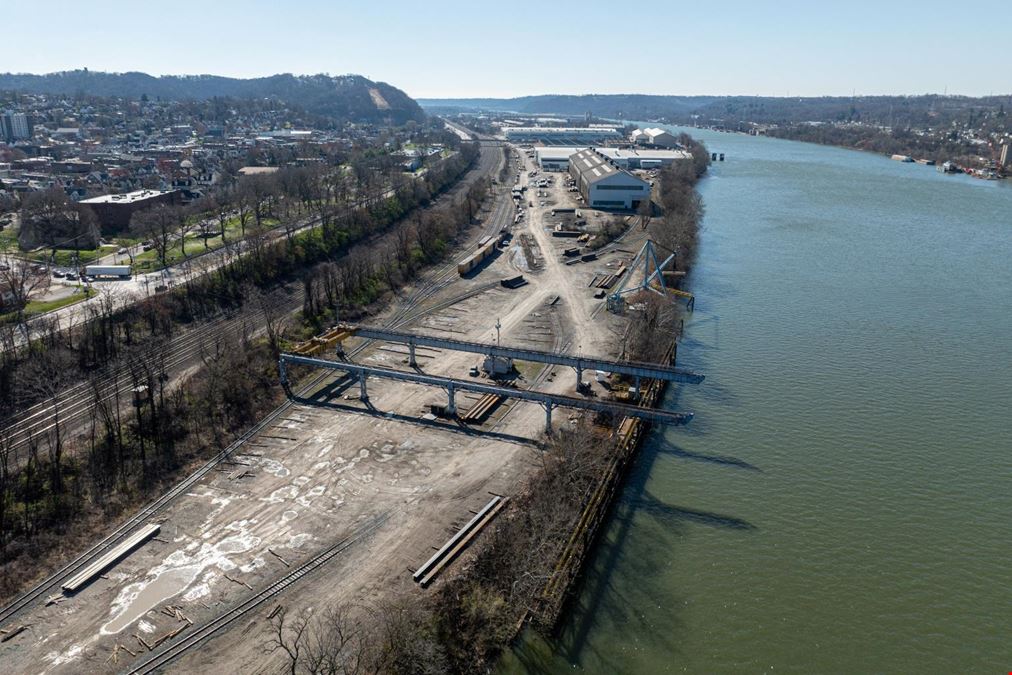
{"x":36,"y":307}
{"x":66,"y":257}
{"x":148,"y":260}
{"x":9,"y":240}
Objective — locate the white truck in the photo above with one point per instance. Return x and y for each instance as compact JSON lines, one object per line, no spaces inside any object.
{"x":115,"y":271}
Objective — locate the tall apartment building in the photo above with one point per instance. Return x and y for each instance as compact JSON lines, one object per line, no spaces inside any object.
{"x":15,"y":127}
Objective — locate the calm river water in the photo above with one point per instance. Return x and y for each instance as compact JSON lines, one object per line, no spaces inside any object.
{"x":842,"y":501}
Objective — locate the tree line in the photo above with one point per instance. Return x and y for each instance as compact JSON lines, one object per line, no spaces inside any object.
{"x":464,"y":626}
{"x":137,"y":443}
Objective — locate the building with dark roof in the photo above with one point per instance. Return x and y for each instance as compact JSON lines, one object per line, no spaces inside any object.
{"x":603,"y":184}
{"x":114,"y":211}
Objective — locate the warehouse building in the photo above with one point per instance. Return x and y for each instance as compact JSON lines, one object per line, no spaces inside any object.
{"x":556,"y":158}
{"x":603,"y":184}
{"x":654,"y":137}
{"x":114,"y":211}
{"x":555,"y":134}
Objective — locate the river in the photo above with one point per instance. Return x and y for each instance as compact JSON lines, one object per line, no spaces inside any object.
{"x":842,"y":501}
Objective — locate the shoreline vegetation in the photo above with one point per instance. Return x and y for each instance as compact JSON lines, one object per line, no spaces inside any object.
{"x":57,"y":493}
{"x":501,"y":586}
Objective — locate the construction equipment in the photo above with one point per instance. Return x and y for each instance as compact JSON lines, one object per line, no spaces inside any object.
{"x":319,"y":343}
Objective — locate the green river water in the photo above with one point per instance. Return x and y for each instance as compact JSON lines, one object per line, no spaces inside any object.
{"x":842,"y":501}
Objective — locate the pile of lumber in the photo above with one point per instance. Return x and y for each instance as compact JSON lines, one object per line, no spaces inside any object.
{"x":482,"y":407}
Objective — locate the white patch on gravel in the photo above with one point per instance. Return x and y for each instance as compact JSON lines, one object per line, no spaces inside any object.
{"x":58,"y":659}
{"x":298,"y":540}
{"x":282,"y":495}
{"x":274,"y":467}
{"x":145,"y":627}
{"x":176,"y":574}
{"x":306,"y":499}
{"x":252,"y":565}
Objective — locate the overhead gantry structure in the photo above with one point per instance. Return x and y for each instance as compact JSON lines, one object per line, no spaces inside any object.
{"x":632,"y":369}
{"x":452,"y":385}
{"x":307,"y":354}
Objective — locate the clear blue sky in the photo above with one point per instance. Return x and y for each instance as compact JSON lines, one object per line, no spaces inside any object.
{"x":432,"y":48}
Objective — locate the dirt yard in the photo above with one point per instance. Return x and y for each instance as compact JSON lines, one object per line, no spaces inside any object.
{"x":388,"y":473}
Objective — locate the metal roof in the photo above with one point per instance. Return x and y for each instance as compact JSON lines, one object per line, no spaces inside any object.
{"x":593,"y":167}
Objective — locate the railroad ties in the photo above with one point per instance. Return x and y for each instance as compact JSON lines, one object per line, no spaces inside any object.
{"x":609,"y":280}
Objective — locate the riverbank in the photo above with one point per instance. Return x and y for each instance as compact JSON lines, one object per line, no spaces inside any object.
{"x":522,"y":573}
{"x":838,"y":498}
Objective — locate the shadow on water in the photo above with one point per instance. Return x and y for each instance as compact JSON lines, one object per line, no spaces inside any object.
{"x":723,"y":460}
{"x":655,"y":507}
{"x":596,"y":595}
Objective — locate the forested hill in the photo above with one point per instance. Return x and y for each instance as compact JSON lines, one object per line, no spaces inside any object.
{"x":345,"y":97}
{"x":893,"y":111}
{"x":601,"y":105}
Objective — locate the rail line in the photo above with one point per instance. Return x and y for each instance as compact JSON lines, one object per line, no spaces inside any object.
{"x":208,"y":629}
{"x":77,"y":402}
{"x":112,"y":539}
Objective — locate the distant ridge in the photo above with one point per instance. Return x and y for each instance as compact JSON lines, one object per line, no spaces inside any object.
{"x":604,"y":105}
{"x":922,"y":110}
{"x":345,"y":97}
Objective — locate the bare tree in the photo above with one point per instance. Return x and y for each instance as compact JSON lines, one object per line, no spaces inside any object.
{"x":157,"y":225}
{"x":19,"y":280}
{"x":335,"y":643}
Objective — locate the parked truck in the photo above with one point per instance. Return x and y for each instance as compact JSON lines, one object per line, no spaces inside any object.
{"x":114,"y":271}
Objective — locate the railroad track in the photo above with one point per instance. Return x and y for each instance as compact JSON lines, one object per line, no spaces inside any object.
{"x":446,"y":274}
{"x":52,"y":582}
{"x":204,"y":632}
{"x":77,"y":401}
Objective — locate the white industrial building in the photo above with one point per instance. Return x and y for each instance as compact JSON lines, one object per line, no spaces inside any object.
{"x":561,"y":133}
{"x":654,"y":136}
{"x":603,"y":184}
{"x":556,"y":158}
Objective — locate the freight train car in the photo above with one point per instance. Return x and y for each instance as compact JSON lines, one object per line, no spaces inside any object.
{"x":486,"y":247}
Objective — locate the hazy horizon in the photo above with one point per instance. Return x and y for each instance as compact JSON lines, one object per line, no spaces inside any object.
{"x":523,"y":95}
{"x":452,"y":49}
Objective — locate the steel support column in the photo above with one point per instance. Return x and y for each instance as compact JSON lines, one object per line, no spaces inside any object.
{"x":548,"y":418}
{"x":363,"y":393}
{"x":451,"y":408}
